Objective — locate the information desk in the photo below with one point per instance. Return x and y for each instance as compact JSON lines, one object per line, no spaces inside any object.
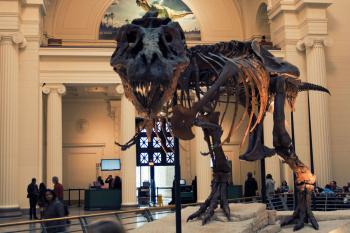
{"x":234,"y":191}
{"x":102,"y":199}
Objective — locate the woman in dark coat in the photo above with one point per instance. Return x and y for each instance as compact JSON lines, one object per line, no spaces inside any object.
{"x":53,"y":209}
{"x":42,"y":201}
{"x":117,"y":183}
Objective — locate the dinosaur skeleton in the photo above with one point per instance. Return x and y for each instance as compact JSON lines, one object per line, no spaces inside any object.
{"x":155,"y":65}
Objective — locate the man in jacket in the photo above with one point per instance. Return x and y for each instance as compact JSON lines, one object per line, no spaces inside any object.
{"x":33,"y":195}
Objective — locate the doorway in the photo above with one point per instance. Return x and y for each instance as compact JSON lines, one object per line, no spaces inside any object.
{"x":155,"y":163}
{"x":160,"y":181}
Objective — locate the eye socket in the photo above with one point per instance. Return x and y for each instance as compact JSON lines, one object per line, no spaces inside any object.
{"x":168,"y":37}
{"x":131,"y":36}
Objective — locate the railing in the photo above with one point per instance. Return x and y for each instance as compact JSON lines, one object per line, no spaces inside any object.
{"x":134,"y":218}
{"x":320,"y":202}
{"x":129,"y":218}
{"x":81,"y":223}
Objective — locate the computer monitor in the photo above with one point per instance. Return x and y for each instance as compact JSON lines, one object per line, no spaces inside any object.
{"x":110,"y":164}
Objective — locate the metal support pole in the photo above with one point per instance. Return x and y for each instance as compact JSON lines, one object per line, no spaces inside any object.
{"x":263,"y":181}
{"x":177,"y":180}
{"x":263,"y":173}
{"x":310,"y":137}
{"x":177,"y":188}
{"x":79,"y":198}
{"x":294,"y":177}
{"x":69,"y":197}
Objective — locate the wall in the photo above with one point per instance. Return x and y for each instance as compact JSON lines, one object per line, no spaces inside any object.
{"x":80,"y":19}
{"x":339,"y":84}
{"x":250,"y":10}
{"x":88,"y":130}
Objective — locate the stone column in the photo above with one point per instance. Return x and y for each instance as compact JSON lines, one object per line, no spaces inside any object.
{"x":128,"y":157}
{"x":54,"y":131}
{"x":9,"y":70}
{"x":316,"y":74}
{"x":203,"y":169}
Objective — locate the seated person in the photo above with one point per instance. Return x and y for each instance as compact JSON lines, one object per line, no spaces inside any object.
{"x":284,"y":187}
{"x":347,"y":188}
{"x":335,"y":188}
{"x":327,"y":191}
{"x":98,"y":183}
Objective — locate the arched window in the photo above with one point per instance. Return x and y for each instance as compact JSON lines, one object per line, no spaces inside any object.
{"x":262,"y":21}
{"x":121,"y":12}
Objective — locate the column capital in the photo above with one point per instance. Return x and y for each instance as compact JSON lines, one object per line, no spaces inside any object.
{"x":58,"y":87}
{"x":40,"y":3}
{"x":311,"y":42}
{"x":16,"y":38}
{"x":119,"y":89}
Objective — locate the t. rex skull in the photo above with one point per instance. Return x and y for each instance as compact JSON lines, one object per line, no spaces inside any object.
{"x":150,"y":56}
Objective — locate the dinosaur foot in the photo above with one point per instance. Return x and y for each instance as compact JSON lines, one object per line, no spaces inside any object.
{"x":302,"y":214}
{"x":217,"y":196}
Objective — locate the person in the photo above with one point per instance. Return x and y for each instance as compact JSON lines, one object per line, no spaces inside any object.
{"x":109,"y":181}
{"x":58,"y":188}
{"x":270,"y":186}
{"x":194,"y":189}
{"x":117,"y":183}
{"x":327,"y":191}
{"x":53,"y":209}
{"x":284,"y":187}
{"x":250,"y":186}
{"x":172,"y":202}
{"x":335,"y":188}
{"x":33,"y":195}
{"x":100,"y":181}
{"x":106,"y":226}
{"x":41,"y":201}
{"x":347,"y":188}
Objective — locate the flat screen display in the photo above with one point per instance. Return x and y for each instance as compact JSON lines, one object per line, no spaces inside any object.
{"x":110,"y":164}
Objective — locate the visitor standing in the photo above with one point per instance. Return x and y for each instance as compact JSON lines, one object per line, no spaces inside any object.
{"x":33,"y":195}
{"x":270,"y":186}
{"x":284,"y":187}
{"x":109,"y":181}
{"x":42,"y":201}
{"x":53,"y":209}
{"x":250,"y":186}
{"x":58,"y":188}
{"x":117,"y":183}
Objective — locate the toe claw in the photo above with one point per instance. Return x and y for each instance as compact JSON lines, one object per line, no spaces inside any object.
{"x":298,"y":226}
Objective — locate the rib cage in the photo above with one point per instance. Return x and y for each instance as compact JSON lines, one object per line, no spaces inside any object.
{"x":251,"y":81}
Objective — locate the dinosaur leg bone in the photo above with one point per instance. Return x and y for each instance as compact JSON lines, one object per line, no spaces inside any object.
{"x":305,"y":180}
{"x":221,"y":171}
